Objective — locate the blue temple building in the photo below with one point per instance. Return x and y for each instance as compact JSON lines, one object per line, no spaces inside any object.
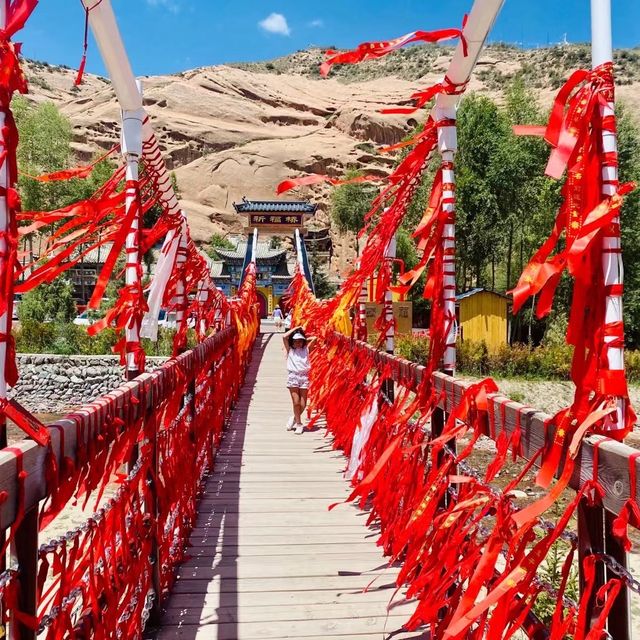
{"x":275,"y":271}
{"x":274,"y":219}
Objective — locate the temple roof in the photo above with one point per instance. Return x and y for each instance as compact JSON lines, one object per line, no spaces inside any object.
{"x":271,"y":206}
{"x":216,"y":268}
{"x":92,"y":257}
{"x":263,"y":252}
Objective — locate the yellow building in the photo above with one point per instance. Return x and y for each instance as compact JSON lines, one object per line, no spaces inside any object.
{"x":483,"y":315}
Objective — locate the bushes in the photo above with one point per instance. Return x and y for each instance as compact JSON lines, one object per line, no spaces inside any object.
{"x":414,"y":348}
{"x":549,"y":362}
{"x":473,"y":358}
{"x":517,"y":361}
{"x":632,"y":364}
{"x":35,"y":337}
{"x":70,"y":339}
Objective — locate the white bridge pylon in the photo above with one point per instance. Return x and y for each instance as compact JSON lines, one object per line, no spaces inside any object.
{"x":138,"y":141}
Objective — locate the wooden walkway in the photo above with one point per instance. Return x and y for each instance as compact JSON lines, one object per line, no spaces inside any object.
{"x":268,"y":560}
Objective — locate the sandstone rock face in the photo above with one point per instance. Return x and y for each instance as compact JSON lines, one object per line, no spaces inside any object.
{"x":230,"y":133}
{"x":233,"y":131}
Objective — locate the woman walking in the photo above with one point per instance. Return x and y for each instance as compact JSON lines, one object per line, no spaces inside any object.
{"x":297,"y":347}
{"x":277,"y":318}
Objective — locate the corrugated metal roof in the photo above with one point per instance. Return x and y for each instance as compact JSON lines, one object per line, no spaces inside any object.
{"x":262,"y":206}
{"x":93,"y":255}
{"x":473,"y":292}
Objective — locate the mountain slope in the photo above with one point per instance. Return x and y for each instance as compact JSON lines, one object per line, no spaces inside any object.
{"x":237,"y":130}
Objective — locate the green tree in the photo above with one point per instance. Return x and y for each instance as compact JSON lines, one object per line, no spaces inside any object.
{"x":323,"y":288}
{"x":218,"y":241}
{"x":45,"y":146}
{"x":406,"y":248}
{"x":49,"y":303}
{"x":629,"y":163}
{"x":350,"y":203}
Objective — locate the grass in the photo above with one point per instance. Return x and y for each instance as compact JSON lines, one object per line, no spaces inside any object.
{"x":541,"y":68}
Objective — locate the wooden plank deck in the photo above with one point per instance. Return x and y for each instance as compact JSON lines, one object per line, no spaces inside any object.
{"x":268,"y":560}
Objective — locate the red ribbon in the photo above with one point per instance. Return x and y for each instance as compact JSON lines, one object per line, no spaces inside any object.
{"x":371,"y":50}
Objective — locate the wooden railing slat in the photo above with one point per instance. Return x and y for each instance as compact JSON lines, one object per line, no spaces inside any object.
{"x":613,"y":461}
{"x":161,"y":383}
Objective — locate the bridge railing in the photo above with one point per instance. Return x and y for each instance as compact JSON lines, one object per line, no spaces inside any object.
{"x":115,"y":569}
{"x":614,"y":465}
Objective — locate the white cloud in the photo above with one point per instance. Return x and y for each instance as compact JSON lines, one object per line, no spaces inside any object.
{"x":317,"y":23}
{"x":173,"y":6}
{"x":275,"y":23}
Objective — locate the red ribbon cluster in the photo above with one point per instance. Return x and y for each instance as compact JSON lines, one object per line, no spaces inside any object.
{"x":12,"y":79}
{"x":469,"y":556}
{"x":575,"y":131}
{"x":98,"y":581}
{"x":373,"y":50}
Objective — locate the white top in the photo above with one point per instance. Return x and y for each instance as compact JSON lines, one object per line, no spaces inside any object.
{"x":298,"y":360}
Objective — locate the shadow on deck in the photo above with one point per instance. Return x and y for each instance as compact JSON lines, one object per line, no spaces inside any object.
{"x":267,"y":559}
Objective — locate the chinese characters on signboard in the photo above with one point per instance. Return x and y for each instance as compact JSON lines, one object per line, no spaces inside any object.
{"x":255,"y":220}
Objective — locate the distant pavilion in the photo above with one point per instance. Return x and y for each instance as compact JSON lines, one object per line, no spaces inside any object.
{"x":275,"y":268}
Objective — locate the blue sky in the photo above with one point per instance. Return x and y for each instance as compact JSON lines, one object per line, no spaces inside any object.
{"x":165,"y":36}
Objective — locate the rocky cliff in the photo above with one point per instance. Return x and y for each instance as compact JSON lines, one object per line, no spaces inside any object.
{"x":236,"y":130}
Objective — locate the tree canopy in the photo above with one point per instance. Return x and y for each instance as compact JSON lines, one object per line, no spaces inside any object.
{"x":505,"y":204}
{"x":350,"y":203}
{"x":45,"y":146}
{"x":49,"y":303}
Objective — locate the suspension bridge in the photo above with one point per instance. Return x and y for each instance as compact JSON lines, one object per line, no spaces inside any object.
{"x":200,"y":516}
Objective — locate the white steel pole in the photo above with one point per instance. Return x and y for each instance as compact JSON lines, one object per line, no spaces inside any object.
{"x":390,"y":254}
{"x":4,"y":229}
{"x":361,"y":324}
{"x":132,"y":152}
{"x":105,"y":29}
{"x":180,"y":301}
{"x":479,"y":23}
{"x":203,"y":297}
{"x":107,"y":35}
{"x":254,"y":246}
{"x":299,"y":251}
{"x":602,"y":53}
{"x":448,"y":145}
{"x":619,"y":620}
{"x":180,"y":297}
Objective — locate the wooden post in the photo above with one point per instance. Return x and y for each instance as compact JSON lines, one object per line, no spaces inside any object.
{"x":591,"y":539}
{"x":388,"y":387}
{"x":4,"y":319}
{"x":619,"y":622}
{"x":152,"y":508}
{"x":24,"y":555}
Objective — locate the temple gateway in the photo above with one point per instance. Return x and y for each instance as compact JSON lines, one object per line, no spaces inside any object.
{"x":275,"y":272}
{"x":275,"y":266}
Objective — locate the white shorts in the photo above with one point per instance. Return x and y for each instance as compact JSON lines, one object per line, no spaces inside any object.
{"x":297,"y":381}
